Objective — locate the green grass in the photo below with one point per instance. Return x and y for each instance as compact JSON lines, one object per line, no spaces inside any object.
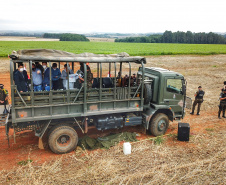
{"x":209,"y":129}
{"x":159,"y":140}
{"x":23,"y":163}
{"x":142,"y":49}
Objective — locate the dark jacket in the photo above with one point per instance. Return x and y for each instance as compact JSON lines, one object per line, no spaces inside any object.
{"x":223,"y":95}
{"x":55,"y":73}
{"x":21,"y":79}
{"x":45,"y":81}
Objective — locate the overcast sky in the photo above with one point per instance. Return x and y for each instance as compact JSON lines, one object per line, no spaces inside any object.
{"x":121,"y":16}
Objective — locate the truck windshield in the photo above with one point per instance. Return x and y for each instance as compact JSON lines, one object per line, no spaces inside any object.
{"x":174,"y":85}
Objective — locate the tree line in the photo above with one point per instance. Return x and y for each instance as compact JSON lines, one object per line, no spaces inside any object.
{"x":65,"y":36}
{"x":179,"y":37}
{"x":21,"y":34}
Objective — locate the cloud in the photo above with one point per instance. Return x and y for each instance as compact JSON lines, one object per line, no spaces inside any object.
{"x":113,"y":16}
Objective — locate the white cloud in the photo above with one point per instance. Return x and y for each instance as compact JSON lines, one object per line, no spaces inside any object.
{"x":113,"y":16}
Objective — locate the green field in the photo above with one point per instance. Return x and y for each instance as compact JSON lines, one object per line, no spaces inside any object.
{"x":6,"y":47}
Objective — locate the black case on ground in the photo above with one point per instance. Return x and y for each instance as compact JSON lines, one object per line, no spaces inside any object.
{"x":183,"y":131}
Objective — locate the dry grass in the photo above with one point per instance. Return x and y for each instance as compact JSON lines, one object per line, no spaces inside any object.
{"x":207,"y":71}
{"x":201,"y":161}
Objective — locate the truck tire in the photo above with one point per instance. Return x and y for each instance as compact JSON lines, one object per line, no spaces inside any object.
{"x":147,"y":94}
{"x":62,"y":139}
{"x":159,"y":124}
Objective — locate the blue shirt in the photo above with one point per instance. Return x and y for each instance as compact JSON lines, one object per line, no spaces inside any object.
{"x":55,"y":73}
{"x":37,"y":78}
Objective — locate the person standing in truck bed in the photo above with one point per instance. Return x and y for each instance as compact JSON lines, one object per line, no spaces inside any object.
{"x":56,"y":74}
{"x":46,"y":81}
{"x":89,"y":76}
{"x":198,"y":100}
{"x":21,"y":78}
{"x":65,"y":77}
{"x":37,"y":78}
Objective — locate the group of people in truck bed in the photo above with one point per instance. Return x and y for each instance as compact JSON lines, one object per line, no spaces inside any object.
{"x":41,"y":77}
{"x":61,"y":80}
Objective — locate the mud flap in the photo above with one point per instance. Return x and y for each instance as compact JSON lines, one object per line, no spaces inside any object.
{"x":147,"y":115}
{"x":40,"y":135}
{"x":40,"y":144}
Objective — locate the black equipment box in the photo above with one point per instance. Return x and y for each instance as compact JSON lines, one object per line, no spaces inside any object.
{"x":132,"y":120}
{"x":108,"y":122}
{"x":183,"y":131}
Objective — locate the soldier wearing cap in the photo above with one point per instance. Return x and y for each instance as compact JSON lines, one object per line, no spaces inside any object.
{"x":222,"y":105}
{"x":198,"y":100}
{"x":3,"y":99}
{"x":89,"y":76}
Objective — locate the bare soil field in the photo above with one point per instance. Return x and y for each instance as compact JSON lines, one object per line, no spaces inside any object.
{"x":95,"y":39}
{"x":15,"y":38}
{"x":202,"y":160}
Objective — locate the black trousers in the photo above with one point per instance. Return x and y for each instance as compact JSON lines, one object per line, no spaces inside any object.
{"x":55,"y":84}
{"x":199,"y":102}
{"x":222,"y":108}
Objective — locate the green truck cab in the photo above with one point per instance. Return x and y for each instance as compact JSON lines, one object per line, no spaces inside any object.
{"x":156,"y":97}
{"x":167,"y":96}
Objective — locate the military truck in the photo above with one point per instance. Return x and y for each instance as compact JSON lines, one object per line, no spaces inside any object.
{"x":154,"y":98}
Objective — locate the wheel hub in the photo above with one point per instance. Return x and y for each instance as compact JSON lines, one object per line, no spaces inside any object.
{"x":63,"y":139}
{"x":161,"y":125}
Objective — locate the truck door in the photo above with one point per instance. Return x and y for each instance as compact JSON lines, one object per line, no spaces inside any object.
{"x":173,"y":95}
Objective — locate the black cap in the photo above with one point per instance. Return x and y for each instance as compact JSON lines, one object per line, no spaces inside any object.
{"x":200,"y":86}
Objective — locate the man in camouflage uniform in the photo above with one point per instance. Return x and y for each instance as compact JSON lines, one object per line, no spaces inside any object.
{"x":222,"y":105}
{"x":89,"y":78}
{"x":198,"y":100}
{"x":3,"y":99}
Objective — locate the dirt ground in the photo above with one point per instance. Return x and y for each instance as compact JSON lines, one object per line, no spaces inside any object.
{"x":207,"y":71}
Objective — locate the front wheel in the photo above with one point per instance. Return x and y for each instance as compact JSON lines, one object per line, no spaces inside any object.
{"x":62,"y":139}
{"x":159,"y":124}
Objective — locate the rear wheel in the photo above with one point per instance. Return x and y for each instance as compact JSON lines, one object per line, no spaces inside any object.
{"x":159,"y":124}
{"x":62,"y":139}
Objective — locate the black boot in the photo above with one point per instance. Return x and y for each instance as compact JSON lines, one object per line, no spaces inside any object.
{"x":219,"y":115}
{"x":223,"y":116}
{"x":192,"y":113}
